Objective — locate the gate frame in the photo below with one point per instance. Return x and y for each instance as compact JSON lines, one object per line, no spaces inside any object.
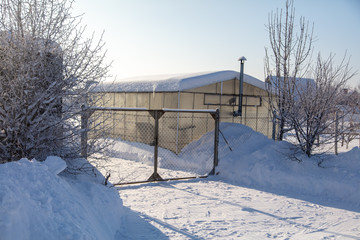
{"x":156,"y":114}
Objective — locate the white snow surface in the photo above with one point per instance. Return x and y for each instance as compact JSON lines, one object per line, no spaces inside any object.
{"x":55,"y":164}
{"x":259,"y":162}
{"x":261,"y":191}
{"x":36,"y":203}
{"x":174,"y":82}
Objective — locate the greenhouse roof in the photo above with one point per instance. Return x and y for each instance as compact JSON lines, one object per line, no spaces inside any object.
{"x":174,"y":82}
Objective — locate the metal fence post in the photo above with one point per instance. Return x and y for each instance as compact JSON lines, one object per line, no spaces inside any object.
{"x":156,"y":114}
{"x":336,"y":132}
{"x":84,"y":131}
{"x":216,"y":140}
{"x":274,"y":126}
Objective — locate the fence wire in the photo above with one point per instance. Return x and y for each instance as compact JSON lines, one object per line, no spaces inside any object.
{"x":259,"y":122}
{"x":174,"y":138}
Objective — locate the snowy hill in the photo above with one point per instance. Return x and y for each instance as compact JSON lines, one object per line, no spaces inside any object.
{"x":256,"y":161}
{"x":261,"y":162}
{"x":39,"y":201}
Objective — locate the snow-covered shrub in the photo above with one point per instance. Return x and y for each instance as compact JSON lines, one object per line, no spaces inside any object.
{"x":46,"y":70}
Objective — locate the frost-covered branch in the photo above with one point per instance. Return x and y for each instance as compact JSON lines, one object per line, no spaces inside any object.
{"x":320,"y":102}
{"x":286,"y":60}
{"x":47,"y":69}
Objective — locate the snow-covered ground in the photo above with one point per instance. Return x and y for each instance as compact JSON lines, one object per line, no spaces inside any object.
{"x":262,"y":190}
{"x":213,"y":209}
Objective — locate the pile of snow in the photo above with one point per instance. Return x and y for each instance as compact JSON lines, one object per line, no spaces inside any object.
{"x":37,"y":203}
{"x":143,"y":153}
{"x":174,"y":82}
{"x":258,"y":162}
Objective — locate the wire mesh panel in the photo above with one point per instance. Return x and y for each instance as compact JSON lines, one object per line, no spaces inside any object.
{"x":259,"y":122}
{"x":154,"y":144}
{"x":181,"y":140}
{"x":129,"y":156}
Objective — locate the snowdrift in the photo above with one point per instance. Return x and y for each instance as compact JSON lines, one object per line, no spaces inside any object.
{"x":256,"y":161}
{"x":37,"y":203}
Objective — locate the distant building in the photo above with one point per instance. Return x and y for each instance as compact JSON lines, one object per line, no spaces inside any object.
{"x":207,"y":90}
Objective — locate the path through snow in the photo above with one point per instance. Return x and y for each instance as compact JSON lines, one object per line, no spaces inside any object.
{"x":212,"y":209}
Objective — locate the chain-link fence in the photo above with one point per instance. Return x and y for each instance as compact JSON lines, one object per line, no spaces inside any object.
{"x":341,"y":134}
{"x":259,"y":122}
{"x":150,"y":145}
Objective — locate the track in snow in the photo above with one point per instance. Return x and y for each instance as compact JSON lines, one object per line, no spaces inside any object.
{"x":206,"y":209}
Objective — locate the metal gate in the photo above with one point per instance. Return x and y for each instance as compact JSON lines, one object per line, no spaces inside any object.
{"x":153,"y":145}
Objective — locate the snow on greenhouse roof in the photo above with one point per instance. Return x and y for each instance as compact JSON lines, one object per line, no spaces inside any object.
{"x":174,"y":82}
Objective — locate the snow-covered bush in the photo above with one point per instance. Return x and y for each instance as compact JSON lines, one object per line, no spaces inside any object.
{"x":39,"y":201}
{"x":47,"y":68}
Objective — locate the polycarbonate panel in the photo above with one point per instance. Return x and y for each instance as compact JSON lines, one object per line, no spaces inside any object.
{"x":156,"y":100}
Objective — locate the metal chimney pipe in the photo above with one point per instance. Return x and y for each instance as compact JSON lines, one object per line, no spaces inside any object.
{"x":241,"y":79}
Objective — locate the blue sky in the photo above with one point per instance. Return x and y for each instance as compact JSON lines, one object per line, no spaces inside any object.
{"x":147,"y":37}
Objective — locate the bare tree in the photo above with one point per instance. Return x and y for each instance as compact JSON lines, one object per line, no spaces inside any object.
{"x":317,"y":100}
{"x":47,"y":68}
{"x":290,"y":51}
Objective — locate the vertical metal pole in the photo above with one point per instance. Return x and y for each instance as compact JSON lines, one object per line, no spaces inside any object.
{"x":217,"y":129}
{"x":241,"y":82}
{"x":156,"y":115}
{"x":216,"y":117}
{"x":84,"y":131}
{"x":336,"y":132}
{"x":274,"y":125}
{"x":177,"y":125}
{"x":156,"y":146}
{"x":342,"y":132}
{"x":241,"y":87}
{"x":257,"y":118}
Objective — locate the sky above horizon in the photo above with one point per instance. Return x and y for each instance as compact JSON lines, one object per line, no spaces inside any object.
{"x":151,"y":37}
